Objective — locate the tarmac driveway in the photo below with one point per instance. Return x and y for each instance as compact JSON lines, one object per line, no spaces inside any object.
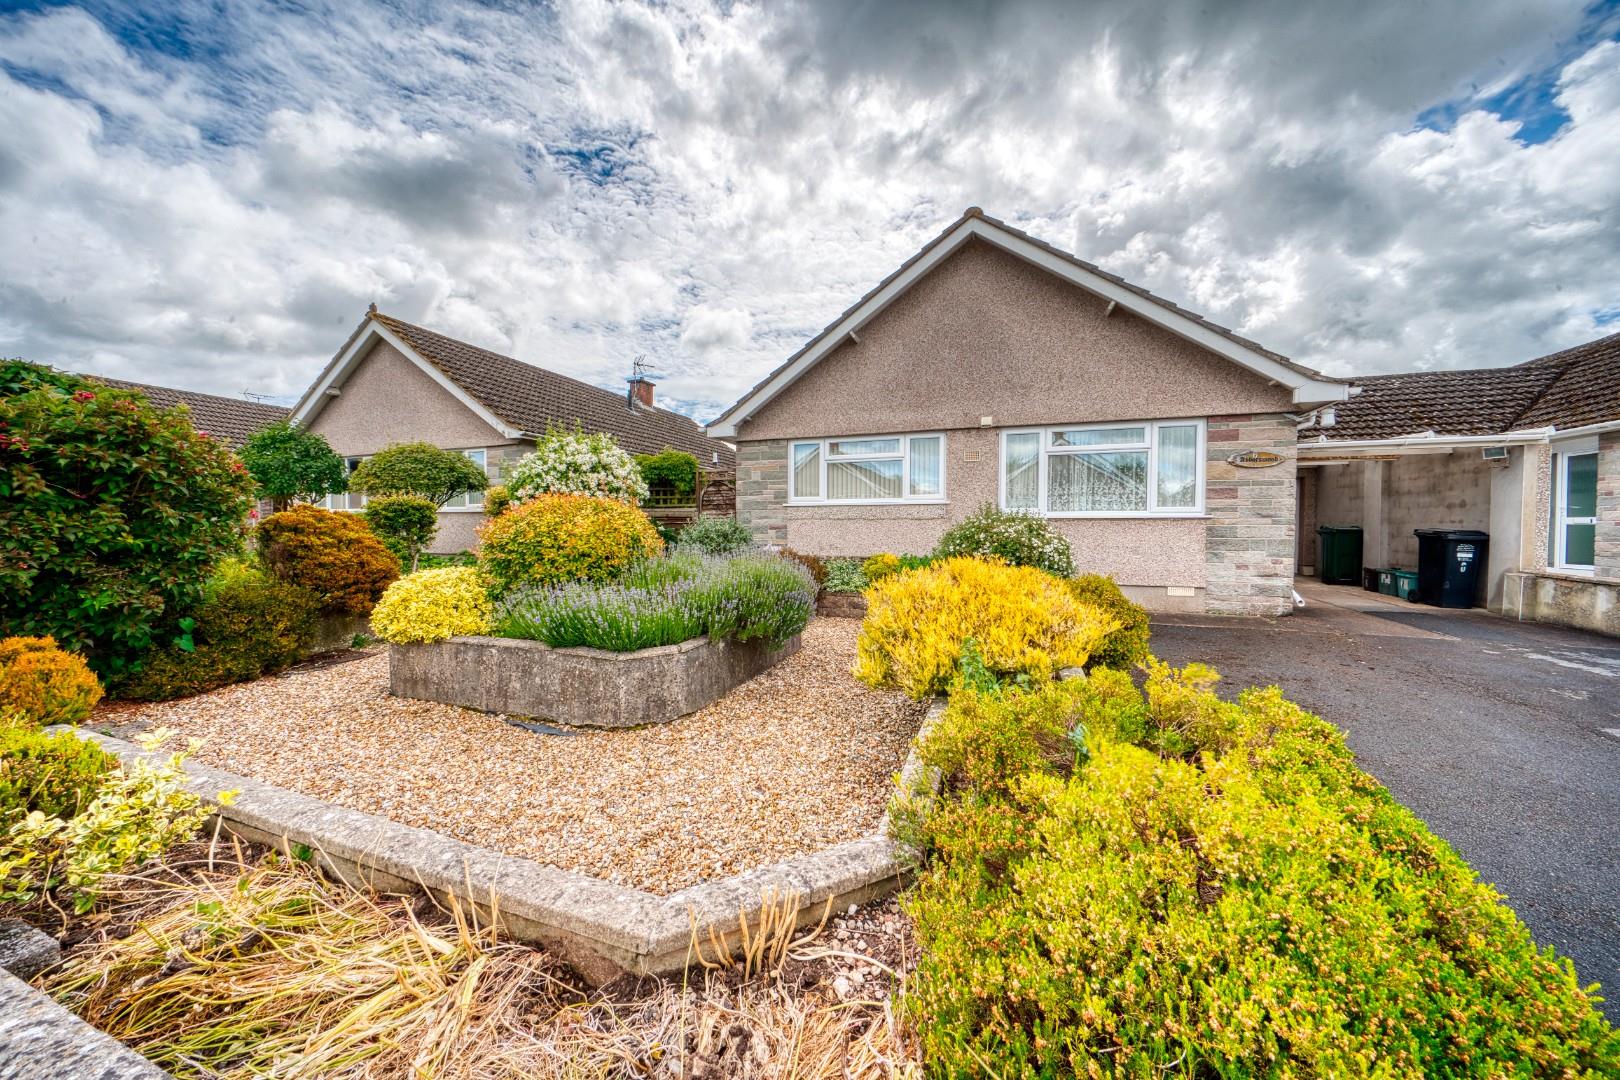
{"x":1503,"y":736}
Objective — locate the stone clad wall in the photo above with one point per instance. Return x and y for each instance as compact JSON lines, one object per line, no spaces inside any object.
{"x":1249,"y":540}
{"x":762,"y":476}
{"x":1608,"y":506}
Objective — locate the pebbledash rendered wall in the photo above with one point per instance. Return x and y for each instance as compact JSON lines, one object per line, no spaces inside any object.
{"x":986,"y":342}
{"x":1237,"y":559}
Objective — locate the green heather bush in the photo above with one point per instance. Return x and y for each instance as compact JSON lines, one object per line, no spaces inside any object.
{"x":1016,"y":538}
{"x":1127,"y":646}
{"x":54,"y":774}
{"x":112,"y":514}
{"x":716,"y":535}
{"x":845,"y":575}
{"x":1251,"y":904}
{"x":249,"y":624}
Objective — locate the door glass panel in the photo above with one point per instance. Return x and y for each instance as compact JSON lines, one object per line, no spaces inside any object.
{"x":1580,"y":545}
{"x":1580,"y":493}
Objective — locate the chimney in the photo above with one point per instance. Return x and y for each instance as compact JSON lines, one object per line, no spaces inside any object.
{"x":641,"y":391}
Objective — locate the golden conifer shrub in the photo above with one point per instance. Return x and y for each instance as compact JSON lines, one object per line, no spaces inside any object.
{"x":1024,"y":621}
{"x":431,"y":605}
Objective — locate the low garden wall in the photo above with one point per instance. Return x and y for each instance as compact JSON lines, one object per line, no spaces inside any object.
{"x":841,"y":605}
{"x":1564,"y":599}
{"x":601,"y":929}
{"x":581,"y":686}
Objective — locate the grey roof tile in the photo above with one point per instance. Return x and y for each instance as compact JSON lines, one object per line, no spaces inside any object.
{"x":231,"y":419}
{"x":531,"y":398}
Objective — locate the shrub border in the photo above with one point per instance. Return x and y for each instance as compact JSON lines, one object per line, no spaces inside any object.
{"x":603,"y":930}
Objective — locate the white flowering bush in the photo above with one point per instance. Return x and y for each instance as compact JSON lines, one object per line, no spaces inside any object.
{"x":1015,"y":538}
{"x":576,"y":463}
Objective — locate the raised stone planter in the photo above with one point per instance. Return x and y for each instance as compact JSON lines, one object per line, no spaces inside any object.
{"x":336,"y":631}
{"x":40,"y":1040}
{"x":841,"y":605}
{"x":603,"y":930}
{"x":587,"y":687}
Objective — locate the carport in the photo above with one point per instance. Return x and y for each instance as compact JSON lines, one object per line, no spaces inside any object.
{"x":1528,"y":454}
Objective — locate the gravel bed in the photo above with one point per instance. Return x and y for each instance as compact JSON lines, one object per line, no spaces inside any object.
{"x":793,"y":761}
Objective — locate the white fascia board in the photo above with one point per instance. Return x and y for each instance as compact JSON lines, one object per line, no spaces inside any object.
{"x":1305,"y":390}
{"x":1427,"y":442}
{"x":315,"y":398}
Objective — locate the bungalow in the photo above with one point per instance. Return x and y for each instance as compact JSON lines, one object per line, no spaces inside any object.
{"x":1528,"y":454}
{"x":993,"y":368}
{"x":394,"y":382}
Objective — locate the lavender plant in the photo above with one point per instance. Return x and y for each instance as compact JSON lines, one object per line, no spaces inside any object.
{"x":667,"y":601}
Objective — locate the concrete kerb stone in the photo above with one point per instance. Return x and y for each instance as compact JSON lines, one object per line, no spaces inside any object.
{"x":40,"y":1040}
{"x":601,"y":929}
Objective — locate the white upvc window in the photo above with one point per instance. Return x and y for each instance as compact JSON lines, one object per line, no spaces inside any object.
{"x":1573,"y":521}
{"x":471,"y":500}
{"x":868,"y":469}
{"x":1134,"y":468}
{"x":347,"y":500}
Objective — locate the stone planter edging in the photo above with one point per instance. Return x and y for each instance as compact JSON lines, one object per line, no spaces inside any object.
{"x":581,"y":686}
{"x":603,"y":930}
{"x":40,"y":1040}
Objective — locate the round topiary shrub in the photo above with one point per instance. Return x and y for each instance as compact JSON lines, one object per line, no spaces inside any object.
{"x":43,"y":684}
{"x":574,"y":463}
{"x":249,"y":625}
{"x":716,"y":535}
{"x":404,"y":523}
{"x":1015,"y":538}
{"x":431,"y":605}
{"x":334,"y":555}
{"x":113,"y":513}
{"x":556,"y":538}
{"x":1126,"y":647}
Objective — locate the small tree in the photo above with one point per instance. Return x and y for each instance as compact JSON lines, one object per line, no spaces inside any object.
{"x":419,"y":469}
{"x":289,"y":463}
{"x":404,"y":523}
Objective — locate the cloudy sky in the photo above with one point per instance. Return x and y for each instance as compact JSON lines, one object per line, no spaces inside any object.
{"x":207,"y":195}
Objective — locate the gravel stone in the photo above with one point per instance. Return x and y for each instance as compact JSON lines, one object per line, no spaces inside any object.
{"x":796,"y":760}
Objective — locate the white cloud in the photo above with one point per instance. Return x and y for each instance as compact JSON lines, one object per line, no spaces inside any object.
{"x":710,"y":185}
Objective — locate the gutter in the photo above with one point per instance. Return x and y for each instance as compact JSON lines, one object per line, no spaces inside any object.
{"x":1429,"y":440}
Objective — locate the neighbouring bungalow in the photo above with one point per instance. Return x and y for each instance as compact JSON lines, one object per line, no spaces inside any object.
{"x":393,"y":382}
{"x":994,"y":368}
{"x":227,"y":418}
{"x":1529,"y":454}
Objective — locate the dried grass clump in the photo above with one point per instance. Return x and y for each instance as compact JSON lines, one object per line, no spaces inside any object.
{"x":243,"y":970}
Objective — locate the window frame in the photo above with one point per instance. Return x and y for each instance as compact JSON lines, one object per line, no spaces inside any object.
{"x":1557,"y":518}
{"x":825,"y":457}
{"x":1150,"y":445}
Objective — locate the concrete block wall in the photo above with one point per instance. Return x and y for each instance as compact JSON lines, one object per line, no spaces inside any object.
{"x":1250,"y":537}
{"x":762,"y":476}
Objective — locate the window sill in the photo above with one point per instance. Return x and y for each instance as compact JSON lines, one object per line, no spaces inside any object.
{"x":868,"y":502}
{"x":461,"y":509}
{"x":1080,"y":515}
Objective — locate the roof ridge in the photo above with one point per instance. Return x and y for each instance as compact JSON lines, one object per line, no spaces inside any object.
{"x":130,"y":383}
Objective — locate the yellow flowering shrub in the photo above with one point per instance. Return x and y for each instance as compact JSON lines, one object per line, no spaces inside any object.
{"x":45,"y":684}
{"x":431,"y":605}
{"x":1024,"y":621}
{"x":550,"y":539}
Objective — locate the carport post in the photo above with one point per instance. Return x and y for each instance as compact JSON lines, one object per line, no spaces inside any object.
{"x":1374,"y":537}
